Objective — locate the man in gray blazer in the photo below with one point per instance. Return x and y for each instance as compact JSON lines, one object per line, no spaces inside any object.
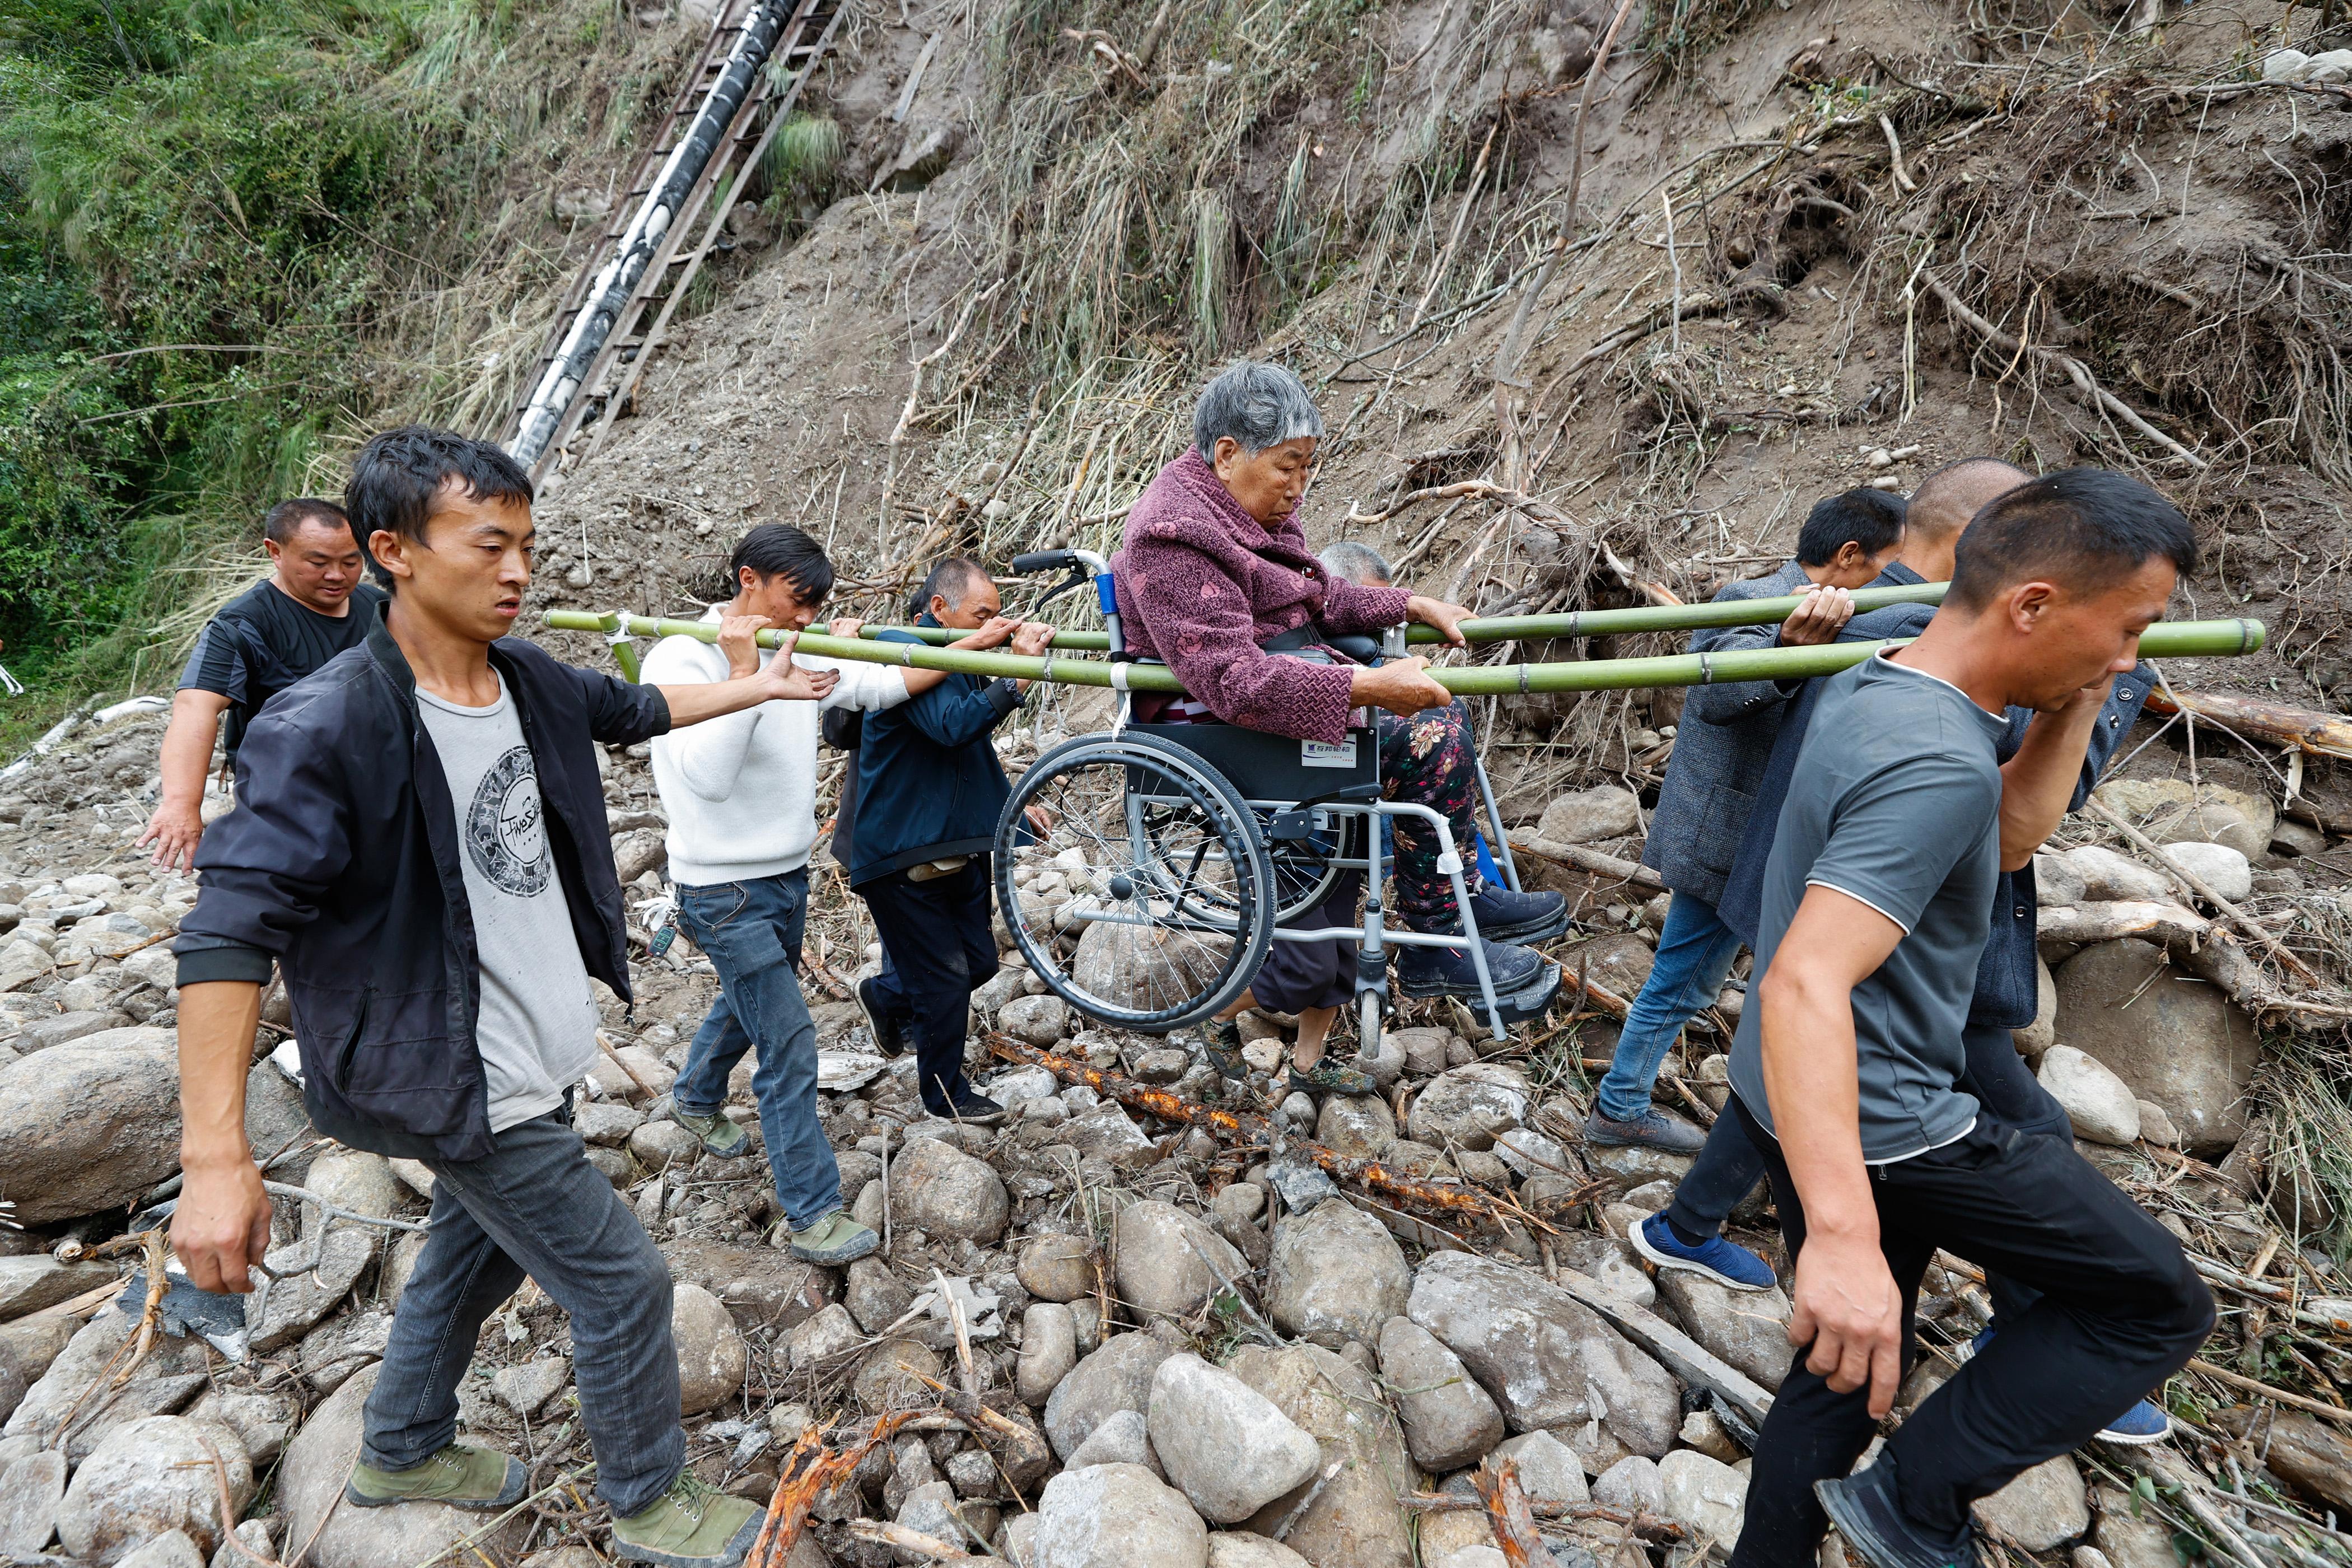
{"x":1720,"y":748}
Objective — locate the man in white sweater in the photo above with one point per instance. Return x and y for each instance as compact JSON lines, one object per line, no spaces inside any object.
{"x":741,"y":792}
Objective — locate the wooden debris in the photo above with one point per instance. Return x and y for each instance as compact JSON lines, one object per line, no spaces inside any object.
{"x":2280,"y":724}
{"x":799,"y":1485}
{"x":1592,"y":861}
{"x":1506,"y":1510}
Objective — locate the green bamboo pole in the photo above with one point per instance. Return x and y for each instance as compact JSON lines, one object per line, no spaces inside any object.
{"x":2167,"y":639}
{"x":1577,"y":623}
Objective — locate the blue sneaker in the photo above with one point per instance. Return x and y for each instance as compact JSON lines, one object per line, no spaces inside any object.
{"x":1725,"y":1262}
{"x":2142,"y":1424}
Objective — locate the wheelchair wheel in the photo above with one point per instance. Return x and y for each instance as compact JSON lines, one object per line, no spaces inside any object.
{"x":1147,"y":900}
{"x":1303,"y":869}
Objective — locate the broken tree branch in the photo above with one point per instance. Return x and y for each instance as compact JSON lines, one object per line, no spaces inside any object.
{"x":2304,"y":729}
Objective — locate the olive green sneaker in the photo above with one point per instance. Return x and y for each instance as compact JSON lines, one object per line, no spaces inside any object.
{"x":721,"y":1137}
{"x":693,"y":1525}
{"x":460,"y":1475}
{"x":1328,"y":1077}
{"x":833,"y":1240}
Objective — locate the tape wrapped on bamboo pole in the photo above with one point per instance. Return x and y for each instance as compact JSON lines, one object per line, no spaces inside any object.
{"x":2165,"y":639}
{"x":1569,"y":623}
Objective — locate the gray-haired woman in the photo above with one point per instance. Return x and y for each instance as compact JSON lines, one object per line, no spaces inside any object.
{"x":1213,"y":568}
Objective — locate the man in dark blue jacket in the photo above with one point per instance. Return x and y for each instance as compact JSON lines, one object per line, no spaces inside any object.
{"x":929,"y":790}
{"x":419,"y":845}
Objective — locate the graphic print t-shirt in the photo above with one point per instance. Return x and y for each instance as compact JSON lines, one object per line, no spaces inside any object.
{"x":265,"y":640}
{"x":538,"y":1026}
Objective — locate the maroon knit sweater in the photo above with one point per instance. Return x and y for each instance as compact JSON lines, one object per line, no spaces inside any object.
{"x":1202,"y":583}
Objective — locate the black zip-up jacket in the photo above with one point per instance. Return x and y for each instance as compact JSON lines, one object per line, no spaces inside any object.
{"x":341,"y":862}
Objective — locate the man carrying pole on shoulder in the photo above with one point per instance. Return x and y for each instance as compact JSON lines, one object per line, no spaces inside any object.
{"x":1849,"y":1064}
{"x":419,"y":843}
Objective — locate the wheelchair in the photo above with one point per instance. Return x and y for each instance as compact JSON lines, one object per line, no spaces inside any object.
{"x":1171,"y":857}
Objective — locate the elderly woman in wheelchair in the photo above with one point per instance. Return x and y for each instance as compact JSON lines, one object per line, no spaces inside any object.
{"x":1214,"y":578}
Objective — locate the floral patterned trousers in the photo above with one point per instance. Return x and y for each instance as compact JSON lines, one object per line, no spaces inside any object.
{"x":1427,"y":760}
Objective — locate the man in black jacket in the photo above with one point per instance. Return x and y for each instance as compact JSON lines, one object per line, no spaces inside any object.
{"x":419,"y":844}
{"x":928,"y":792}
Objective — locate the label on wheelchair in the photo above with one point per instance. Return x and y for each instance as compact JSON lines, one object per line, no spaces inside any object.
{"x":1324,"y":754}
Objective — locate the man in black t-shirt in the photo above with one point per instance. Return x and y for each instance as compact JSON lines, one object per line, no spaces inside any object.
{"x":312,"y":606}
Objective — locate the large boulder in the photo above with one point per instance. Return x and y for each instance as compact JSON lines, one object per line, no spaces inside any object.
{"x":31,"y":1491}
{"x":1354,"y":1521}
{"x":1548,"y":1360}
{"x":943,"y":1192}
{"x":1590,"y":816}
{"x":30,"y":1283}
{"x":80,"y":1384}
{"x":1357,"y":1126}
{"x":2102,"y":875}
{"x":150,"y":1476}
{"x":1749,"y":1329}
{"x":1169,"y":1261}
{"x":1049,"y":1349}
{"x":1449,"y":1420}
{"x":1618,"y":963}
{"x":1470,"y":1106}
{"x":2177,"y":1042}
{"x":1116,"y":1516}
{"x":2174,"y":811}
{"x":2100,"y":1105}
{"x":712,"y":1359}
{"x":1144,"y":966}
{"x":1706,"y":1496}
{"x":317,"y":1464}
{"x":1335,"y":1275}
{"x":90,"y":1124}
{"x":1115,"y":1377}
{"x":1223,"y":1443}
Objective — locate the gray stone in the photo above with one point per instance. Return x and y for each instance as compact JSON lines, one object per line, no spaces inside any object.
{"x":1235,"y":1211}
{"x":2130,"y":1535}
{"x":1637,"y":1166}
{"x":931,"y":1509}
{"x":1169,"y":1261}
{"x":972,"y":1474}
{"x":262,"y":1421}
{"x":1469,"y":1105}
{"x":1706,"y":1495}
{"x":2043,"y":1033}
{"x":1123,"y":1438}
{"x":30,"y":1491}
{"x":2219,"y":867}
{"x":1548,"y":1360}
{"x":945,"y":1193}
{"x":2040,"y":1508}
{"x":2156,"y":1126}
{"x":172,"y":1549}
{"x":1114,"y":1378}
{"x":1361,"y":1126}
{"x":172,"y":1374}
{"x":1049,"y":1349}
{"x":1424,"y":1049}
{"x":2104,"y":875}
{"x":1244,"y":1549}
{"x":90,"y":1124}
{"x":1549,"y":1470}
{"x":316,"y":1277}
{"x":1116,"y":1516}
{"x":1016,"y":1086}
{"x":1590,"y":816}
{"x":606,"y":1123}
{"x":2174,"y":1041}
{"x":1224,"y":1445}
{"x":525,"y":1389}
{"x":1749,"y":1329}
{"x":341,"y":1348}
{"x":1449,"y":1420}
{"x":892,"y":1375}
{"x":2174,"y":811}
{"x":1056,"y":1268}
{"x":712,"y":1359}
{"x":1142,"y":967}
{"x":1618,"y":963}
{"x":249,"y":1546}
{"x":41,"y":1035}
{"x":658,"y":1145}
{"x":1165,"y":1065}
{"x":1354,"y":1520}
{"x":150,"y":1476}
{"x":1632,"y":1483}
{"x":1335,"y":1275}
{"x":875,"y":1296}
{"x":317,"y":1464}
{"x":1039,"y":1020}
{"x":1611,"y":1261}
{"x":2101,"y":1106}
{"x":29,"y":1283}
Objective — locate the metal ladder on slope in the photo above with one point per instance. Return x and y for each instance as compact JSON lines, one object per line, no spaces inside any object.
{"x":605,"y":390}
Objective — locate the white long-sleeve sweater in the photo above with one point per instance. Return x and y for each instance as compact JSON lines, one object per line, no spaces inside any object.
{"x":740,"y":791}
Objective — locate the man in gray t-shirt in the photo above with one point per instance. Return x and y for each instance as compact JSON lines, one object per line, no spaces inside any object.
{"x":538,"y":1025}
{"x":1846,"y":1070}
{"x":1895,"y":804}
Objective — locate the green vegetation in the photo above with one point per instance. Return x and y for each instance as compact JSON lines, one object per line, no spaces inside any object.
{"x":234,"y":233}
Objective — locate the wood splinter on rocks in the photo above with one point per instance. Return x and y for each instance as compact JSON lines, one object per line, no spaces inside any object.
{"x":1233,"y":1126}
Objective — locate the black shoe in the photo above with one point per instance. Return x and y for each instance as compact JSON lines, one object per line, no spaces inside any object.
{"x":1506,"y":916}
{"x":969,"y":1105}
{"x":888,"y":1037}
{"x":1869,"y":1515}
{"x":1449,"y":971}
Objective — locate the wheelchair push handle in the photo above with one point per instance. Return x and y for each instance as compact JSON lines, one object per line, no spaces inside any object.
{"x":1044,"y":561}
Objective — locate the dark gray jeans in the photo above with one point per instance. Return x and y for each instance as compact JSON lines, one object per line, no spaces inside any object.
{"x":536,"y":1207}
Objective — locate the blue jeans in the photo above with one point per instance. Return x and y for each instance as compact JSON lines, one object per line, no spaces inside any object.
{"x":1694,"y":954}
{"x":750,"y":931}
{"x":535,"y":1205}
